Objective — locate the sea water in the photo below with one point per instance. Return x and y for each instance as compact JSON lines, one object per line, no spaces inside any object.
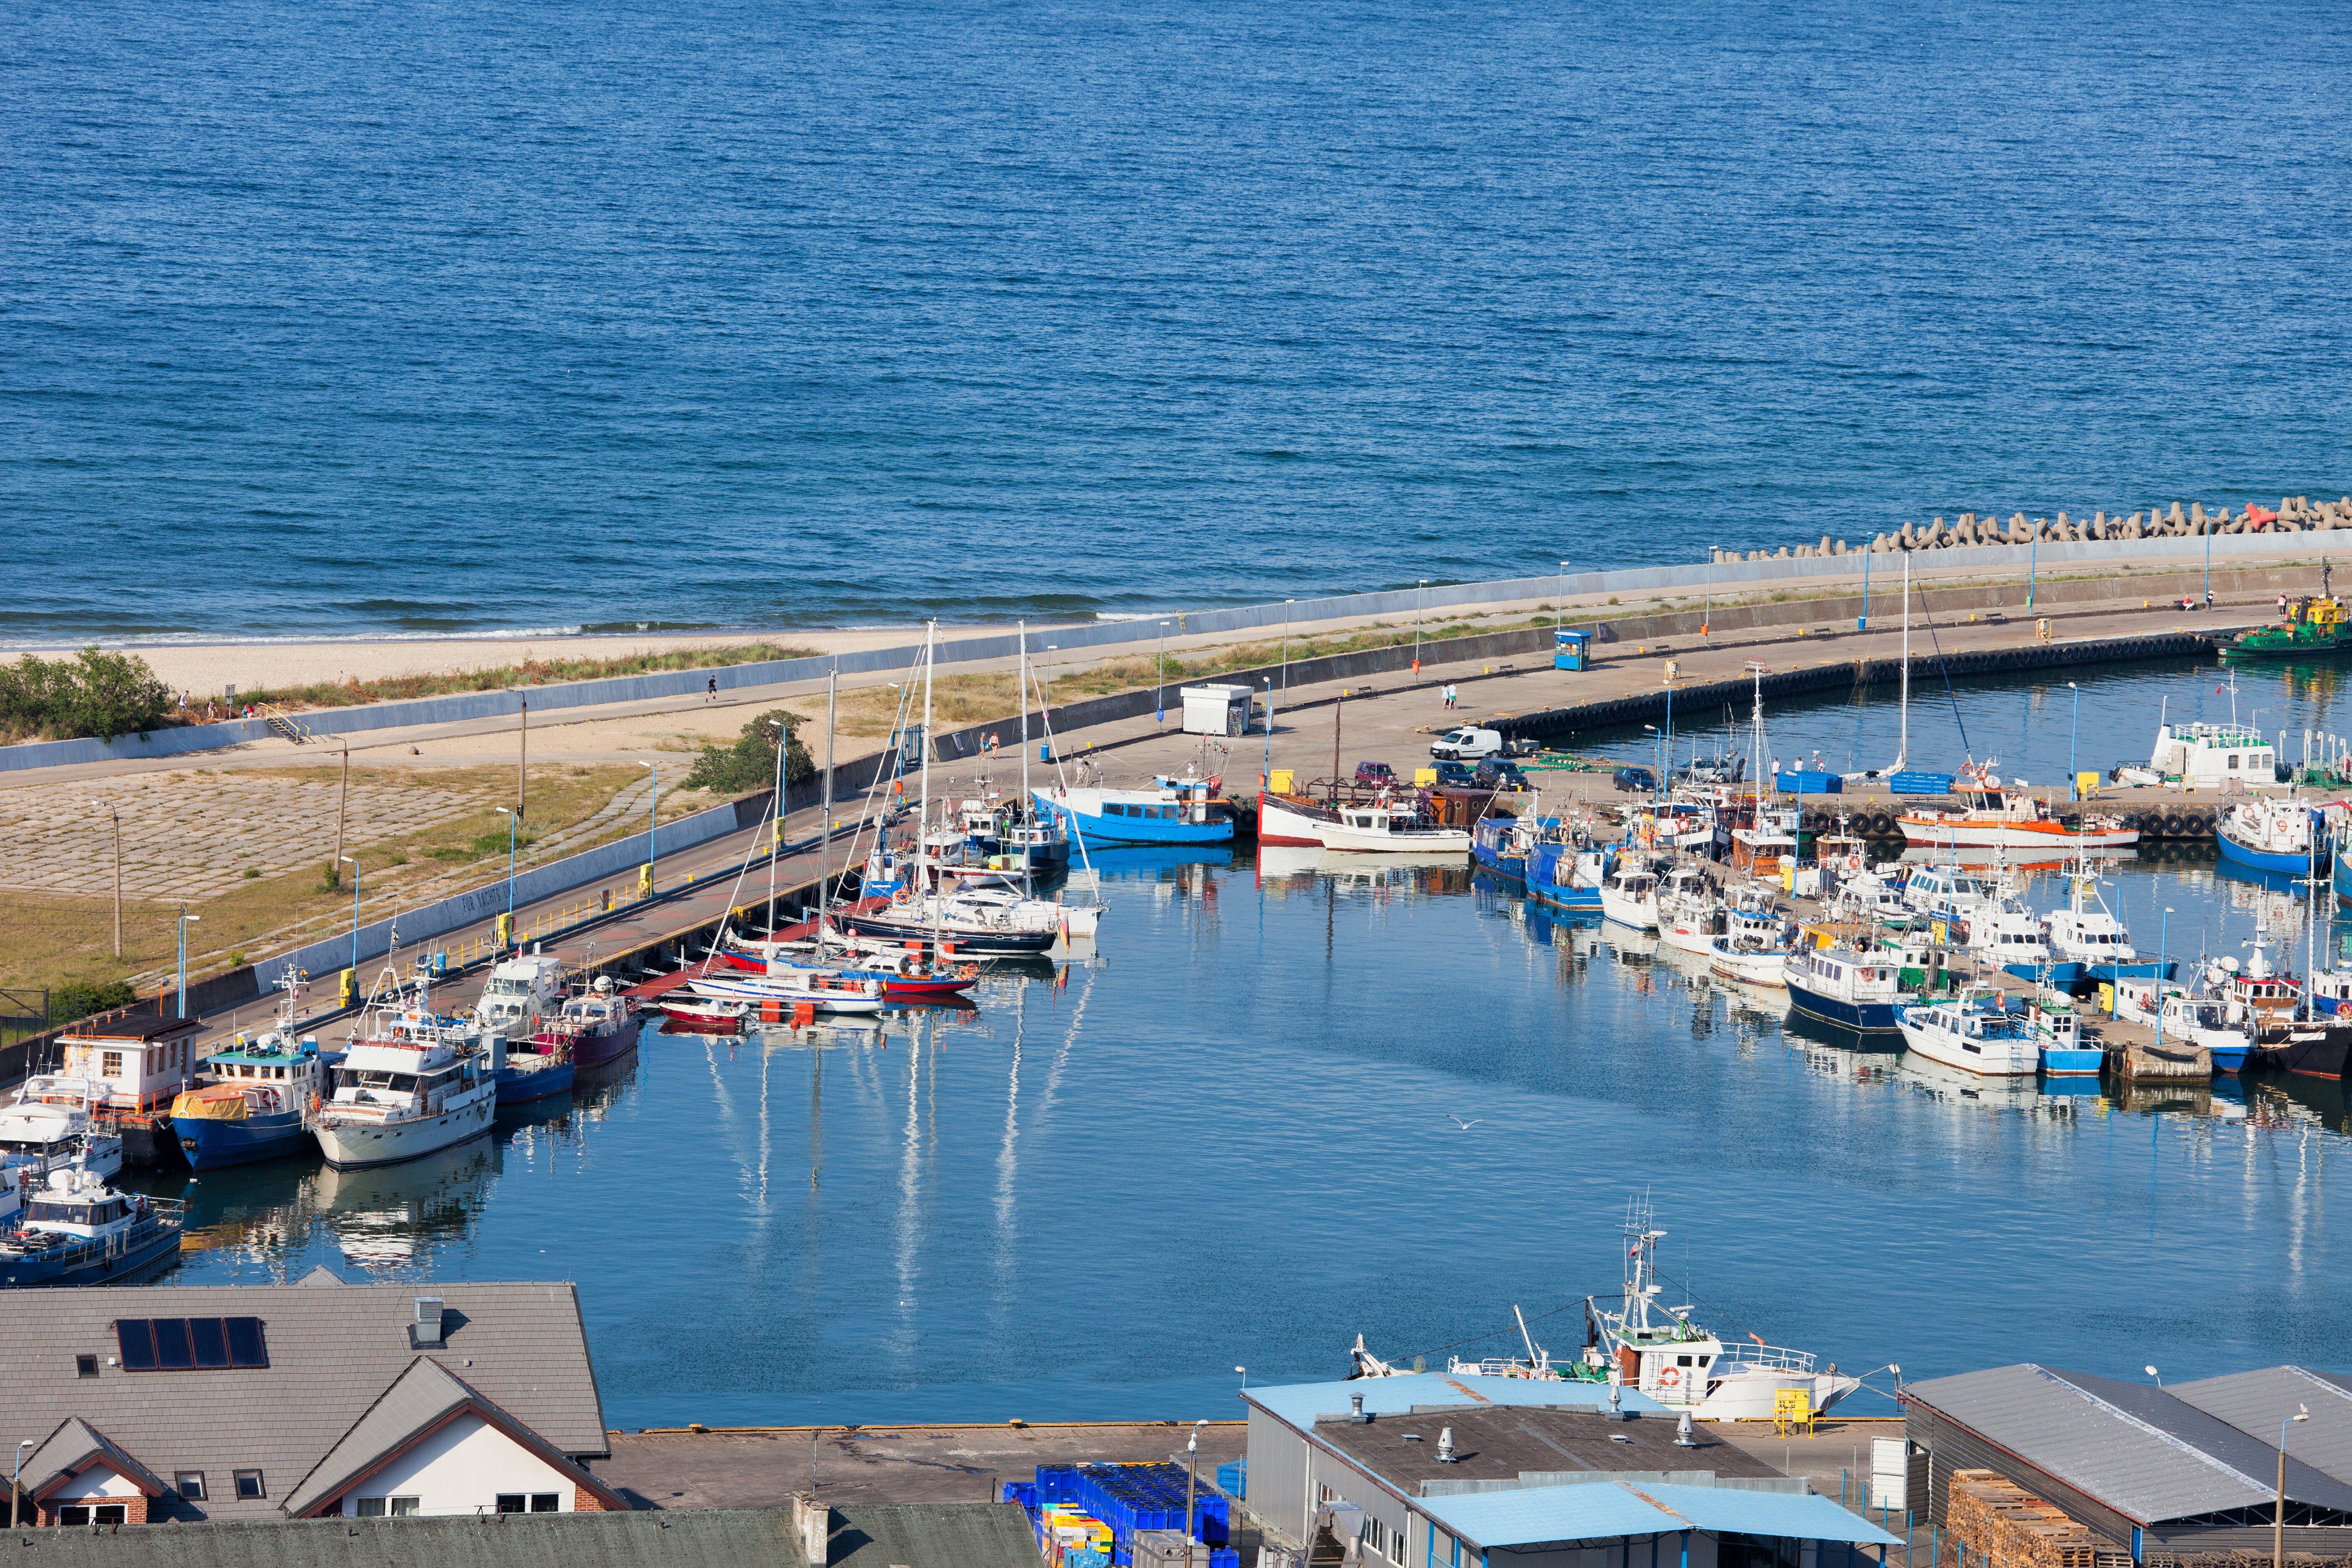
{"x":366,"y":320}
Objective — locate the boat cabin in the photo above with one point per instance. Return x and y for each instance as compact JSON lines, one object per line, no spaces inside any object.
{"x":79,"y":1205}
{"x":522,"y":990}
{"x":2202,"y":755}
{"x":390,"y":1079}
{"x":133,"y":1063}
{"x":47,"y":1121}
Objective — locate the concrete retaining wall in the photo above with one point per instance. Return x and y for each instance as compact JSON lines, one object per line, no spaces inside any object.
{"x":1108,"y":634}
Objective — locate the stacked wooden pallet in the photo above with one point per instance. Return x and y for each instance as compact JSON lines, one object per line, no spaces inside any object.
{"x":2004,"y":1526}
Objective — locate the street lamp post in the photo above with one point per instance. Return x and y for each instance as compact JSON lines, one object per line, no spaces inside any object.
{"x":653,"y":819}
{"x":2164,"y":946}
{"x":354,"y":865}
{"x":1244,"y":1372}
{"x":1159,"y":679}
{"x":110,"y":811}
{"x":2074,"y":728}
{"x":1285,"y":650}
{"x":1420,"y":594}
{"x":2278,"y":1521}
{"x":509,"y":816}
{"x":1861,"y":621}
{"x":1191,"y":1483}
{"x":180,"y":1008}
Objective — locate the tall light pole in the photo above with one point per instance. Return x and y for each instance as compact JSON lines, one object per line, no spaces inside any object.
{"x":1560,"y":618}
{"x":1191,"y":1469}
{"x":1861,"y":621}
{"x":1285,"y":650}
{"x":509,"y":816}
{"x":1420,"y":595}
{"x":653,"y":819}
{"x":2278,"y":1521}
{"x":2209,"y":562}
{"x":110,"y":811}
{"x":186,"y":920}
{"x":354,"y":865}
{"x":1269,"y":725}
{"x":1159,"y":678}
{"x":2164,"y":947}
{"x":2074,"y":728}
{"x":1244,"y":1372}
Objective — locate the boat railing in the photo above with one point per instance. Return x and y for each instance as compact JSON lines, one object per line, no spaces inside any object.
{"x":1764,"y":1358}
{"x":69,"y":1251}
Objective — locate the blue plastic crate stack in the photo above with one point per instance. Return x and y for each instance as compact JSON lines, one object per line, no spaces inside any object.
{"x":1920,"y":783}
{"x":1086,"y":1516}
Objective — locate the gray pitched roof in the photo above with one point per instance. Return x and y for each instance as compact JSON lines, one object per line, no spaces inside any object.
{"x":332,"y":1354}
{"x":2139,"y":1449}
{"x":924,"y":1535}
{"x":75,"y":1445}
{"x":418,"y":1400}
{"x":2256,"y":1402}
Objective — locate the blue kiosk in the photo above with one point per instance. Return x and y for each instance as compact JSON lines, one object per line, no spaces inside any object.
{"x":1568,"y":648}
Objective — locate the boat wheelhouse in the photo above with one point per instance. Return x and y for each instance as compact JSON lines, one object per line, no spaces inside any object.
{"x":1629,"y":894}
{"x":251,"y":1107}
{"x":2272,"y":835}
{"x":2087,"y":933}
{"x":1102,"y":816}
{"x":521,"y":995}
{"x":1987,"y":1041}
{"x":1842,"y":985}
{"x":53,"y":1122}
{"x":76,"y":1230}
{"x":2205,"y":756}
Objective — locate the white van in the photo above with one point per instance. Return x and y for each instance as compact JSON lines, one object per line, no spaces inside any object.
{"x":1466,"y":745}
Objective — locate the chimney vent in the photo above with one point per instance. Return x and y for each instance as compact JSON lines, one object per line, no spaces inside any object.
{"x":1445,"y":1447}
{"x":428,"y":1330}
{"x":1355,"y":1409}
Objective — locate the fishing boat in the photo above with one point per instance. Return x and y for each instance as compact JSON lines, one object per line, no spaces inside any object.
{"x":76,"y":1230}
{"x":2008,"y":936}
{"x":1754,"y":946}
{"x":522,"y":992}
{"x":2318,"y":1049}
{"x":1657,"y":1350}
{"x":1690,"y":916}
{"x":1503,"y":843}
{"x":593,"y":1028}
{"x":2086,"y":934}
{"x":1106,"y":816}
{"x":1842,"y":985}
{"x":252,"y":1108}
{"x":1946,"y":893}
{"x":406,"y":1089}
{"x":2060,"y":1028}
{"x":1629,"y":894}
{"x":52,"y":1122}
{"x":1564,"y":871}
{"x":2255,"y":990}
{"x":1386,"y":829}
{"x":1990,"y":1042}
{"x":2204,"y":1021}
{"x":2313,"y":627}
{"x":1995,"y":818}
{"x":2271,"y":835}
{"x":1865,"y":898}
{"x":908,"y":972}
{"x":2207,"y":756}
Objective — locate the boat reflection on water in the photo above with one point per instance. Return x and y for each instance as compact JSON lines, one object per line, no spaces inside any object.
{"x":1878,"y":1048}
{"x":395,"y":1215}
{"x":1955,"y":1085}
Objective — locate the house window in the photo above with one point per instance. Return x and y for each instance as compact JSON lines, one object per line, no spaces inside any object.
{"x":190,"y":1483}
{"x":404,"y":1507}
{"x":248,"y":1484}
{"x":110,"y":1063}
{"x":510,"y":1503}
{"x":368,"y":1508}
{"x":544,"y":1502}
{"x":85,"y":1366}
{"x":74,"y":1513}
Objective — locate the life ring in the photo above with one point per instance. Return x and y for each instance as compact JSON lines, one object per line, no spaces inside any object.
{"x":1668,"y":1376}
{"x":1854,"y":862}
{"x":903,"y":895}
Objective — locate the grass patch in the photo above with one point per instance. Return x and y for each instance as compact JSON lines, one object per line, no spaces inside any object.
{"x":530,"y":672}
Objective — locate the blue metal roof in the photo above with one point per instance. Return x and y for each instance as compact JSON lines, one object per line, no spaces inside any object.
{"x":1595,"y":1510}
{"x":1803,"y":1514}
{"x":1300,"y":1402}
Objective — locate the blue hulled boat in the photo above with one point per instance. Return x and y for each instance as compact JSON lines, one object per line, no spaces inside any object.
{"x":2272,"y":835}
{"x":1180,"y":815}
{"x":1841,"y":986}
{"x":1564,"y":877}
{"x":252,"y":1107}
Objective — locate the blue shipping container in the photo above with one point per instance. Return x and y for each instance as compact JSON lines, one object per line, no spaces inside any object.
{"x":1808,"y":783}
{"x":1920,"y":783}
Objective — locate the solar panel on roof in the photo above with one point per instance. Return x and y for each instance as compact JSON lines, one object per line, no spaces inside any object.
{"x":179,"y":1344}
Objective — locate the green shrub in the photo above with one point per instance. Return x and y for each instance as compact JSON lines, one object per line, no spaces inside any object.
{"x":71,"y":1001}
{"x":751,"y":762}
{"x":91,"y":694}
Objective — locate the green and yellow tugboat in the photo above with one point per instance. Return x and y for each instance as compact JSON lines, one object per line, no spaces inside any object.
{"x":2312,"y":628}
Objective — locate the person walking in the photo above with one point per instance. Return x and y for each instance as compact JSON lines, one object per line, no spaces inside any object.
{"x":713,"y":696}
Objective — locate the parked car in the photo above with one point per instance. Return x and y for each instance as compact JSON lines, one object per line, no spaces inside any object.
{"x":1635,"y":781}
{"x":1466,"y":744}
{"x":1521,"y":746}
{"x":1456,"y":775}
{"x":1497,"y":773}
{"x":1378,"y":775}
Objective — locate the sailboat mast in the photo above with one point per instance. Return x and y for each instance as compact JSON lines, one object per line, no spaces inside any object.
{"x":824,"y":819}
{"x":1028,"y":849}
{"x":923,"y":812}
{"x":1337,"y":703}
{"x":1903,"y":742}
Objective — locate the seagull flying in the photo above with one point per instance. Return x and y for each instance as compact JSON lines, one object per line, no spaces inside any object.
{"x":1457,"y":1121}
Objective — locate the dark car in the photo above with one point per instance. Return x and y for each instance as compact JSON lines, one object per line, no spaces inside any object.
{"x":1456,"y":775}
{"x":1636,"y":781}
{"x":1497,"y":773}
{"x":1379,"y":776}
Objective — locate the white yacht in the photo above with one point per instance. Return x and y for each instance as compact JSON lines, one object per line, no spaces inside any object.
{"x":1971,"y":1036}
{"x":51,"y":1124}
{"x":523,"y":993}
{"x":1385,"y":830}
{"x":76,"y":1230}
{"x":1629,"y":894}
{"x":407,"y":1090}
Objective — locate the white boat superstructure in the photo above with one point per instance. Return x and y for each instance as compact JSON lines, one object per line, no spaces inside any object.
{"x":405,"y":1090}
{"x":1976,"y":1038}
{"x":2202,"y":755}
{"x":522,"y":992}
{"x":1945,"y":892}
{"x":1690,"y":916}
{"x":1868,"y":898}
{"x":1629,"y":894}
{"x":1754,"y":946}
{"x":49,"y":1124}
{"x":2086,"y":931}
{"x":1386,"y":829}
{"x":2004,"y":932}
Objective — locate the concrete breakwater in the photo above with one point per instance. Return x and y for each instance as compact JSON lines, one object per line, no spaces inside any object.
{"x":2294,"y":515}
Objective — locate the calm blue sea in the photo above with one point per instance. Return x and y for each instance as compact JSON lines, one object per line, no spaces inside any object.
{"x":363,"y":319}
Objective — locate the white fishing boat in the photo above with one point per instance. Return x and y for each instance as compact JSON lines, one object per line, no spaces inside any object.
{"x":50,"y":1123}
{"x":1868,"y":898}
{"x":1658,"y":1351}
{"x":1754,"y":946}
{"x":1964,"y":1034}
{"x":1690,"y":916}
{"x":521,"y":993}
{"x":1388,"y":829}
{"x":1629,"y":894}
{"x":2006,"y":934}
{"x":2087,"y":936}
{"x":2204,"y":1021}
{"x":405,"y":1088}
{"x":1945,"y":892}
{"x":1999,"y":817}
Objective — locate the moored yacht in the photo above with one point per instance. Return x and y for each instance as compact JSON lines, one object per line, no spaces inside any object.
{"x":1967,"y":1034}
{"x":593,"y":1028}
{"x":50,"y":1123}
{"x":76,"y":1230}
{"x":522,"y":992}
{"x":406,"y":1089}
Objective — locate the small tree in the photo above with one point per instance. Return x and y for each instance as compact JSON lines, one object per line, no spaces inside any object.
{"x":750,"y":764}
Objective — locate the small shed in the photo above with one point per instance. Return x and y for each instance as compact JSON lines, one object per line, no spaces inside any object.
{"x":1216,"y":710}
{"x":1568,"y":648}
{"x":130,"y":1061}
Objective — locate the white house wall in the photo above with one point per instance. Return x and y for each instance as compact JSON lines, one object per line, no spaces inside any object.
{"x":462,"y":1469}
{"x":96,"y":1481}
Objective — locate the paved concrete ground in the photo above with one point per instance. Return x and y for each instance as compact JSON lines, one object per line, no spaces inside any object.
{"x":847,"y":1466}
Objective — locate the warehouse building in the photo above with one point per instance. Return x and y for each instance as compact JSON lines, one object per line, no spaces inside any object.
{"x":1431,"y":1470}
{"x":2163,"y":1473}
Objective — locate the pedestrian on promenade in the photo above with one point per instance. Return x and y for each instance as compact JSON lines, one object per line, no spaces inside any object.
{"x":713,"y":697}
